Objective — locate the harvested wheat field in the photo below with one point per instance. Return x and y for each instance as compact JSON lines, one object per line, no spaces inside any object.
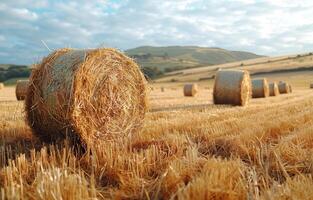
{"x":188,"y":148}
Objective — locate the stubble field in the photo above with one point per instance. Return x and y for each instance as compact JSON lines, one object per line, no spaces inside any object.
{"x":187,"y":149}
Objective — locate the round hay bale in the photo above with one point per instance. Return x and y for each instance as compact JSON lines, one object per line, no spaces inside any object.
{"x":190,"y":90}
{"x":283,"y":88}
{"x":21,"y":89}
{"x":273,"y":88}
{"x":86,"y":95}
{"x":260,"y":88}
{"x":1,"y":86}
{"x":232,"y":87}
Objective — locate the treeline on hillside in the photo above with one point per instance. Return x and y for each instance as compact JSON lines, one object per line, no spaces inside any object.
{"x":14,"y":71}
{"x":23,"y":71}
{"x":155,"y":72}
{"x":152,"y":72}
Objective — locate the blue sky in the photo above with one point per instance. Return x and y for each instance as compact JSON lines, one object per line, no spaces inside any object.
{"x":268,"y":27}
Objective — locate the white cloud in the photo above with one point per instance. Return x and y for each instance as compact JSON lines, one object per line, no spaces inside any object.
{"x":24,"y":13}
{"x":263,"y":26}
{"x":268,"y":49}
{"x":246,"y":42}
{"x":2,"y":38}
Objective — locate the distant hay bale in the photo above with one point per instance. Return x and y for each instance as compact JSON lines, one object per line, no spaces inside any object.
{"x":290,"y":88}
{"x":190,"y":90}
{"x":1,"y":86}
{"x":232,"y":87}
{"x":283,"y":87}
{"x":273,"y":88}
{"x":260,"y":88}
{"x":86,"y":95}
{"x":21,"y":89}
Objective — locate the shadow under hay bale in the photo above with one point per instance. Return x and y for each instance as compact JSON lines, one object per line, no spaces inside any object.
{"x":283,"y":88}
{"x":260,"y":88}
{"x":190,"y":90}
{"x":86,"y":95}
{"x":21,"y":89}
{"x":232,"y":87}
{"x":273,"y":88}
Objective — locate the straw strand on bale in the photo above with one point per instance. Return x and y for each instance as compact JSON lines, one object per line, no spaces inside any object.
{"x":86,"y":95}
{"x":190,"y":90}
{"x":21,"y":89}
{"x":283,"y":88}
{"x":273,"y":88}
{"x":260,"y":88}
{"x":232,"y":87}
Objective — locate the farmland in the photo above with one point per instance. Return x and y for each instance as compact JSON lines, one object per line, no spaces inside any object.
{"x":188,"y":149}
{"x":156,"y":100}
{"x":259,"y":66}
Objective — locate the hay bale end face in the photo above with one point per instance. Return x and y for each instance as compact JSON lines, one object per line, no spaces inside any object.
{"x":273,"y":88}
{"x":86,"y":95}
{"x":283,"y":87}
{"x":232,"y":87}
{"x":21,"y":89}
{"x":1,"y":86}
{"x":190,"y":90}
{"x":260,"y":88}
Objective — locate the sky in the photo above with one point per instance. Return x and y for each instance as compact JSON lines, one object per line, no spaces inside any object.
{"x":30,"y":29}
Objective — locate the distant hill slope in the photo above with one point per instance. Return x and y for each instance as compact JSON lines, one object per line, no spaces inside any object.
{"x":174,"y":58}
{"x":260,"y":66}
{"x":156,"y":61}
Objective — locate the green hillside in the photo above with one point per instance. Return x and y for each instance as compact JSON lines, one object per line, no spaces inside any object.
{"x":173,"y":58}
{"x":155,"y":61}
{"x":10,"y":71}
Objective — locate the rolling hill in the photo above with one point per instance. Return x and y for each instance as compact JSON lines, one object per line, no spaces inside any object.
{"x":259,"y":66}
{"x":173,"y":58}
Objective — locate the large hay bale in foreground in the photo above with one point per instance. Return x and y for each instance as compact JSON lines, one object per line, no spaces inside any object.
{"x":232,"y":87}
{"x":21,"y":89}
{"x":88,"y":95}
{"x":283,"y":87}
{"x":260,"y":88}
{"x":1,"y":86}
{"x":273,"y":88}
{"x":190,"y":90}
